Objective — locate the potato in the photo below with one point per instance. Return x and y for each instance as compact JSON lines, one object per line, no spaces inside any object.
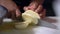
{"x":30,"y":17}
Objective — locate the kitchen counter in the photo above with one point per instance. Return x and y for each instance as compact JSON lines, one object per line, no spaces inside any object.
{"x":44,"y":27}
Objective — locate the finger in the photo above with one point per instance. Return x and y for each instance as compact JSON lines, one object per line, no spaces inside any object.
{"x":33,"y":6}
{"x":43,"y":13}
{"x":25,"y":8}
{"x":30,"y":8}
{"x":18,"y":13}
{"x":40,"y":15}
{"x":39,"y":8}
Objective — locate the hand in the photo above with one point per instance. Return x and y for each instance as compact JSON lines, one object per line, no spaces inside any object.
{"x":39,"y":9}
{"x":12,"y":8}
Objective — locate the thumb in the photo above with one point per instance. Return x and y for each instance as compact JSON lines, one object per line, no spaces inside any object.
{"x":25,"y":8}
{"x":18,"y":13}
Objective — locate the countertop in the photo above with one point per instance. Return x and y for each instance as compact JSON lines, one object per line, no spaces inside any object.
{"x":44,"y":27}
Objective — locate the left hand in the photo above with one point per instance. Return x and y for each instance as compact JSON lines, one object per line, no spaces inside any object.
{"x":39,"y":9}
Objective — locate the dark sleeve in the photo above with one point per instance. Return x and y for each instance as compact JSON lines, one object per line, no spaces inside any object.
{"x":22,"y":2}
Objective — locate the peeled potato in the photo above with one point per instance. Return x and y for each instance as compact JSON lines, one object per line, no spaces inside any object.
{"x":30,"y":17}
{"x":34,"y":16}
{"x":27,"y":18}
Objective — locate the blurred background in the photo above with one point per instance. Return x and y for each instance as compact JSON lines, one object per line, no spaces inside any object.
{"x":52,"y":7}
{"x":49,"y":8}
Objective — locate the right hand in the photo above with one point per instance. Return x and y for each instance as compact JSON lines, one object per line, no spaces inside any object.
{"x":40,"y":10}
